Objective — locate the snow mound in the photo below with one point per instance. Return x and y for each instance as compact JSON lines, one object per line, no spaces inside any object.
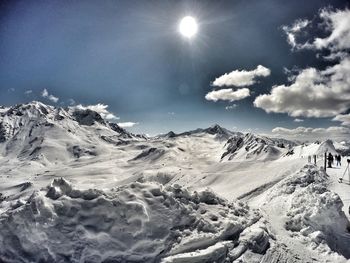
{"x":309,"y":212}
{"x":139,"y":222}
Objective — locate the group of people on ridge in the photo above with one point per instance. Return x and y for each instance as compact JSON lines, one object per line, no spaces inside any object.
{"x":332,"y":158}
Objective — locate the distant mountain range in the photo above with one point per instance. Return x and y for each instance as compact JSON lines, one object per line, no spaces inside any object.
{"x":35,"y":131}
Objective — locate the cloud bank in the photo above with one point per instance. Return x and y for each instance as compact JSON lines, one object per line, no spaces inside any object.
{"x":313,"y":92}
{"x":312,"y":133}
{"x":343,"y":118}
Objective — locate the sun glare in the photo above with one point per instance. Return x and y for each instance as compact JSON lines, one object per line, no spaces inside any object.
{"x":188,"y":26}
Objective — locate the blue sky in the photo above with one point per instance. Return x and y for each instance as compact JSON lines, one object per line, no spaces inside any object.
{"x":130,"y":56}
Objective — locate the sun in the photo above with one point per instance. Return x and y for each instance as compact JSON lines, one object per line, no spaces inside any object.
{"x":188,"y":26}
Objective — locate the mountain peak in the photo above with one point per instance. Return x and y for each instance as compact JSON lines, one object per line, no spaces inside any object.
{"x":87,"y":117}
{"x":216,"y":128}
{"x":170,"y":134}
{"x":33,"y":108}
{"x":219,"y":131}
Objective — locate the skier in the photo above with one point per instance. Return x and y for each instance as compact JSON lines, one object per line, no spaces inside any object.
{"x":330,"y":160}
{"x":338,"y":158}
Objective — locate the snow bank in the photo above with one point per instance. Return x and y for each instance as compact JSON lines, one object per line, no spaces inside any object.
{"x":139,"y":222}
{"x":309,"y":212}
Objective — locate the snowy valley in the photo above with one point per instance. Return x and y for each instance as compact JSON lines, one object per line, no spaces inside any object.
{"x":76,"y":188}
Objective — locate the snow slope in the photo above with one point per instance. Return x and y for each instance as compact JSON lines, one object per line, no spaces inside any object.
{"x":76,"y":188}
{"x":36,"y":131}
{"x":307,"y":217}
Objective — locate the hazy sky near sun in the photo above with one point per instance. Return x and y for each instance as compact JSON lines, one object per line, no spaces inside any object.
{"x":130,"y":56}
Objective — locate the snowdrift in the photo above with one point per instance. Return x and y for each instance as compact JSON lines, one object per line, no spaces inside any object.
{"x":139,"y":222}
{"x":306,"y":214}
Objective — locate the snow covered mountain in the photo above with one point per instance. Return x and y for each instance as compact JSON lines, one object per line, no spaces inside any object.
{"x":36,"y":131}
{"x":255,"y":147}
{"x":219,"y":132}
{"x":198,"y":196}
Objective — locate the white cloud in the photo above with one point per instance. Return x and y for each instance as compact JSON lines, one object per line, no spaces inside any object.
{"x":337,"y":22}
{"x":293,"y":30}
{"x":53,"y":98}
{"x":45,"y":94}
{"x":27,"y":92}
{"x":343,"y":118}
{"x":127,"y":124}
{"x":333,"y":132}
{"x":298,"y":120}
{"x":231,"y":107}
{"x":297,"y":131}
{"x":240,"y":78}
{"x":228,"y":94}
{"x":100,"y":109}
{"x":71,"y":102}
{"x":335,"y":56}
{"x":313,"y":92}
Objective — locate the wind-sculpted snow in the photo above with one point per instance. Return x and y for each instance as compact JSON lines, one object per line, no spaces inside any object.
{"x":310,"y":213}
{"x":138,"y":222}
